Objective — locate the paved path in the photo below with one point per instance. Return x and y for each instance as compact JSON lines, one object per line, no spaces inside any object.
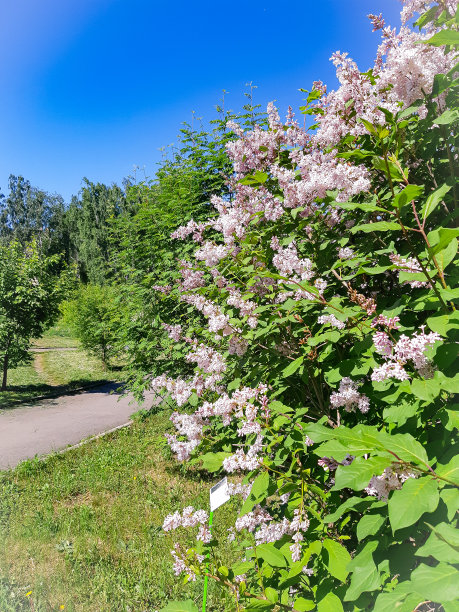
{"x":52,"y":424}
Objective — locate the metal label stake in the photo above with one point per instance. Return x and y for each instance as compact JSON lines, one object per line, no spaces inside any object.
{"x":218,"y":497}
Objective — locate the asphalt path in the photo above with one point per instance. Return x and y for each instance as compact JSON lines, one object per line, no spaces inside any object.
{"x":50,"y":425}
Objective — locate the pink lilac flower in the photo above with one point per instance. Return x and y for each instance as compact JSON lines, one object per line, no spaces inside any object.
{"x":408,"y":265}
{"x":173,"y":331}
{"x":207,"y":359}
{"x":245,"y":461}
{"x":390,"y":369}
{"x":212,"y":253}
{"x":377,"y":21}
{"x":165,"y":289}
{"x":349,"y":397}
{"x":288,"y":263}
{"x":388,"y":322}
{"x":237,"y":346}
{"x":189,"y":518}
{"x":345,"y":253}
{"x":405,"y":350}
{"x":383,"y":344}
{"x":390,"y":480}
{"x":331,"y":320}
{"x":192,"y":279}
{"x":239,"y":489}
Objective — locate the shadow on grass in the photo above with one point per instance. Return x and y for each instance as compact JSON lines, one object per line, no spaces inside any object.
{"x":15,"y":395}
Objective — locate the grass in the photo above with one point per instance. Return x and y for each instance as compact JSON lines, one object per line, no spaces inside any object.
{"x":83,"y":529}
{"x":55,"y":371}
{"x":59,"y":336}
{"x":74,"y":368}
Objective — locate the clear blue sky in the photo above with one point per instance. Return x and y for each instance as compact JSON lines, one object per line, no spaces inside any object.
{"x":93,"y":87}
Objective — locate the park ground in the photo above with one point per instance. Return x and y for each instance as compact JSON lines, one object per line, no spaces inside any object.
{"x":82,"y":530}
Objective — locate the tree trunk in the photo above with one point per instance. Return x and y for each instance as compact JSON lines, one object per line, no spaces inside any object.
{"x":5,"y":371}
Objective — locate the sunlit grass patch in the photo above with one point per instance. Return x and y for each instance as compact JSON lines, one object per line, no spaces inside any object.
{"x":59,"y":336}
{"x":74,"y":368}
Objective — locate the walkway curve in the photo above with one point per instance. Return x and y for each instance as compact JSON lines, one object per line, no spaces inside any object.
{"x":52,"y":424}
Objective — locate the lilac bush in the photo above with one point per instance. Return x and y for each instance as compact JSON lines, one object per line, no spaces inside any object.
{"x":325,"y":349}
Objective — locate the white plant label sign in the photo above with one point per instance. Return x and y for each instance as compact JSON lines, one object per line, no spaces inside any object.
{"x":219,"y":494}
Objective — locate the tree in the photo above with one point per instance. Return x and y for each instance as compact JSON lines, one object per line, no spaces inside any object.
{"x":87,"y":220}
{"x":31,"y":289}
{"x":92,"y":315}
{"x":31,"y":213}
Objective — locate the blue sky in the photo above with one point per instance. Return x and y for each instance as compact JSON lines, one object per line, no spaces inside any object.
{"x":94,"y":87}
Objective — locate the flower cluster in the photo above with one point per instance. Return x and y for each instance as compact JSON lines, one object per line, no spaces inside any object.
{"x":405,"y":350}
{"x":390,"y":480}
{"x":348,"y":397}
{"x":265,"y":529}
{"x":331,"y":320}
{"x":408,"y":265}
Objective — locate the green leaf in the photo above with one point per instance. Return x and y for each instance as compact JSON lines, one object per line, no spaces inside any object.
{"x":434,"y":200}
{"x":394,"y":170}
{"x":365,"y":575}
{"x":370,"y":127}
{"x":258,"y":493}
{"x":411,"y":192}
{"x":292,"y":367}
{"x":439,"y":549}
{"x":271,"y":595}
{"x":338,"y":559}
{"x":439,"y":239}
{"x":450,"y":470}
{"x":243,"y":567}
{"x":366,"y":207}
{"x":353,"y":503}
{"x":400,"y":413}
{"x":257,"y":178}
{"x":446,"y":255}
{"x":270,"y":554}
{"x":445,"y":37}
{"x":407,"y":505}
{"x":212,"y":462}
{"x":303,"y":605}
{"x":443,"y":323}
{"x":369,"y":524}
{"x":330,"y":603}
{"x":255,"y":605}
{"x":318,"y":432}
{"x":180,"y":606}
{"x":426,"y":389}
{"x":405,"y":446}
{"x":437,"y":583}
{"x":377,"y":226}
{"x":358,"y":474}
{"x":397,"y":601}
{"x":450,"y":498}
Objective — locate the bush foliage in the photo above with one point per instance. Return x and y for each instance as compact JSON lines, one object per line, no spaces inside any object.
{"x":318,"y":314}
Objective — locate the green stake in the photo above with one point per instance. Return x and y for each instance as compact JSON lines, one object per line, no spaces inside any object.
{"x":218,"y":495}
{"x":206,"y":577}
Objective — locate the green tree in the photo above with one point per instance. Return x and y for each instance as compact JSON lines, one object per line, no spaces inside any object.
{"x":30,"y":213}
{"x":92,"y":316}
{"x":87,"y":221}
{"x":31,"y":289}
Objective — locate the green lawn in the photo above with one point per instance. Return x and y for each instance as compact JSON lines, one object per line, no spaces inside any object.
{"x":55,"y":371}
{"x":57,"y":337}
{"x":83,"y":529}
